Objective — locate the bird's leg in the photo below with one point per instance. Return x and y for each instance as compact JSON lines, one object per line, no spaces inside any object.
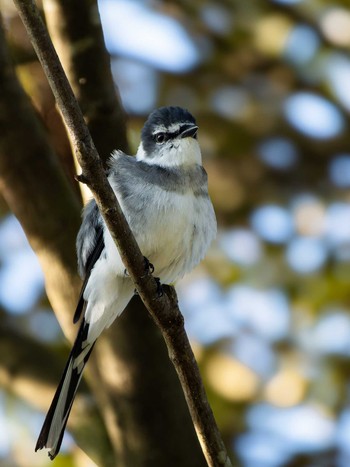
{"x":149,"y":268}
{"x":160,"y":291}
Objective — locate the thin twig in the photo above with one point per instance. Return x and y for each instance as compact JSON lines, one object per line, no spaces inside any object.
{"x":164,"y":310}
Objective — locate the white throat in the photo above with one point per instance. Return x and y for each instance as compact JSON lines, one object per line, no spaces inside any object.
{"x":181,"y":152}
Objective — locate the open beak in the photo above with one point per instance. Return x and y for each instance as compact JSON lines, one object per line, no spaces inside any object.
{"x":190,"y":132}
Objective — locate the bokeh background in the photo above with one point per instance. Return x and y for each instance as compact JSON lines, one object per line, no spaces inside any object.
{"x":268,"y":312}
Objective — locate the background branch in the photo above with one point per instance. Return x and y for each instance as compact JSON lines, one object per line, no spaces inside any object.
{"x":26,"y":157}
{"x":77,"y":35}
{"x":164,"y":310}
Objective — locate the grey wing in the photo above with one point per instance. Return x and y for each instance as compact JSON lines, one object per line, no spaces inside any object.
{"x":90,"y":245}
{"x":90,"y":230}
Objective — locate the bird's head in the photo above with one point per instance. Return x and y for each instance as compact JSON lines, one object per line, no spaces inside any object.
{"x":169,"y":138}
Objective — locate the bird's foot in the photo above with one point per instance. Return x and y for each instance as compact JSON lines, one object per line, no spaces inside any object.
{"x":160,"y":291}
{"x":149,"y":268}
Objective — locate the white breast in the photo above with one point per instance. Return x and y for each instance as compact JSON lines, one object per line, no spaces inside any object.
{"x":178,"y":235}
{"x":173,"y":231}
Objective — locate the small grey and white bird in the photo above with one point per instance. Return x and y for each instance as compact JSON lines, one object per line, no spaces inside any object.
{"x":163,"y":193}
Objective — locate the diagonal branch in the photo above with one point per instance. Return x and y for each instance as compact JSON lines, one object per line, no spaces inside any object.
{"x":164,"y":310}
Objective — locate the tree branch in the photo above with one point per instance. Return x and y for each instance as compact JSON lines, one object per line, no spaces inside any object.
{"x":76,"y":32}
{"x":164,"y":310}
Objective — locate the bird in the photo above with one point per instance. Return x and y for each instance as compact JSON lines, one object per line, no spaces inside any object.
{"x":163,"y":193}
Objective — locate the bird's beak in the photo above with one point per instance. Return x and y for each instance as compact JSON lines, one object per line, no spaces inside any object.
{"x":189,"y":132}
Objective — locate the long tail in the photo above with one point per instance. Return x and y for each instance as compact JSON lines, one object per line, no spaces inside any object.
{"x":56,"y":419}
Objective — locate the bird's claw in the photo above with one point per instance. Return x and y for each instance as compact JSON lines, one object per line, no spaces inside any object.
{"x":160,"y":291}
{"x":149,"y":268}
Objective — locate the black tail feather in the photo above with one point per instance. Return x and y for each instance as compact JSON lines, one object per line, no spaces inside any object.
{"x":75,"y":376}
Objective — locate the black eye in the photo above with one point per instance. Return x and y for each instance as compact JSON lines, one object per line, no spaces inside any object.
{"x":160,"y":137}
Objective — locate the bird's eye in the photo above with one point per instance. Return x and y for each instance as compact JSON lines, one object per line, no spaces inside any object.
{"x":160,"y":137}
